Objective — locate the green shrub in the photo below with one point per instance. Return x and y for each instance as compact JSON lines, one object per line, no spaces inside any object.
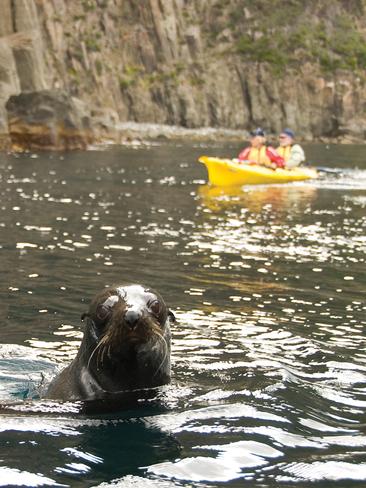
{"x":264,"y":50}
{"x":92,"y":44}
{"x":125,"y":83}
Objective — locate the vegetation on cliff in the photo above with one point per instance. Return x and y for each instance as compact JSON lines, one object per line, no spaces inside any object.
{"x":288,"y":33}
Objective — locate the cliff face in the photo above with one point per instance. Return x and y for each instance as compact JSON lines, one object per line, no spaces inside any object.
{"x":193,"y":63}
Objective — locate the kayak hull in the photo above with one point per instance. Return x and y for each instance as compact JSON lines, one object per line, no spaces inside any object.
{"x":226,"y":172}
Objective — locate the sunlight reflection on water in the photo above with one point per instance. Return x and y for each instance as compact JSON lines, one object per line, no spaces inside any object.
{"x":268,"y":353}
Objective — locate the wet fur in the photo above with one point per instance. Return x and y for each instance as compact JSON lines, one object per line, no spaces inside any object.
{"x":114,"y":357}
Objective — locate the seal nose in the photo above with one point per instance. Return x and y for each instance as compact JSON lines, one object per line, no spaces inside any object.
{"x":131,"y":318}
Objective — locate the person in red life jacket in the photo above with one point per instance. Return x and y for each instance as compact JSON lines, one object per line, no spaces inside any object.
{"x":259,"y":153}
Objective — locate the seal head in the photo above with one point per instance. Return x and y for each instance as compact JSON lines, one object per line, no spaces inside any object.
{"x":126,"y":346}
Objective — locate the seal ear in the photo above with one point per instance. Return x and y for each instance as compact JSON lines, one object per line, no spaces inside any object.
{"x":171,"y":316}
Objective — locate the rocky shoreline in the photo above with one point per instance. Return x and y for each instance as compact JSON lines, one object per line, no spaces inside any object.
{"x":53,"y":121}
{"x":130,"y":131}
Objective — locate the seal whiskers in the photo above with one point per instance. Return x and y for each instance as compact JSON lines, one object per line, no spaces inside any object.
{"x":100,"y":346}
{"x":161,"y":338}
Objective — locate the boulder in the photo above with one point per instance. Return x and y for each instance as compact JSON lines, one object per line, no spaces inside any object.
{"x":48,"y":120}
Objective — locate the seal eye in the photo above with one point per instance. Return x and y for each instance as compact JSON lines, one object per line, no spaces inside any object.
{"x":103,"y":312}
{"x":155,"y":307}
{"x":104,"y":309}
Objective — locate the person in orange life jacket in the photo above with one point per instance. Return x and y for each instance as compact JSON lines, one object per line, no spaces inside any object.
{"x":259,"y":153}
{"x":292,"y":153}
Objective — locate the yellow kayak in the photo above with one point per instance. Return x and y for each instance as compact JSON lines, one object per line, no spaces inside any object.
{"x":227,"y":172}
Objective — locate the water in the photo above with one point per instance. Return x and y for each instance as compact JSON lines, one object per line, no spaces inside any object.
{"x":267,"y":283}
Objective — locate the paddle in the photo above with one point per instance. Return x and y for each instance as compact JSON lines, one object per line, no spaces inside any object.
{"x":331,"y":171}
{"x":324,"y":169}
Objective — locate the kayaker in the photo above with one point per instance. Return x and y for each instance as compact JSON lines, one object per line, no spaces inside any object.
{"x":259,"y":153}
{"x":292,"y":153}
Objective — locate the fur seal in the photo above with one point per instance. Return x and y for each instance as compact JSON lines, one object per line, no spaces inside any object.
{"x":126,"y":346}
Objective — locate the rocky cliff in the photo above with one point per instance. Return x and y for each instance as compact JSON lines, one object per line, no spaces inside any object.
{"x":86,"y":66}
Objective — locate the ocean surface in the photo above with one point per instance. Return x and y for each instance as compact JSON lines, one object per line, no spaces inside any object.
{"x":268,"y":286}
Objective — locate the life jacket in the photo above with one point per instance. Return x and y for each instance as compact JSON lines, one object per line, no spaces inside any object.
{"x":259,"y":155}
{"x":284,"y":151}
